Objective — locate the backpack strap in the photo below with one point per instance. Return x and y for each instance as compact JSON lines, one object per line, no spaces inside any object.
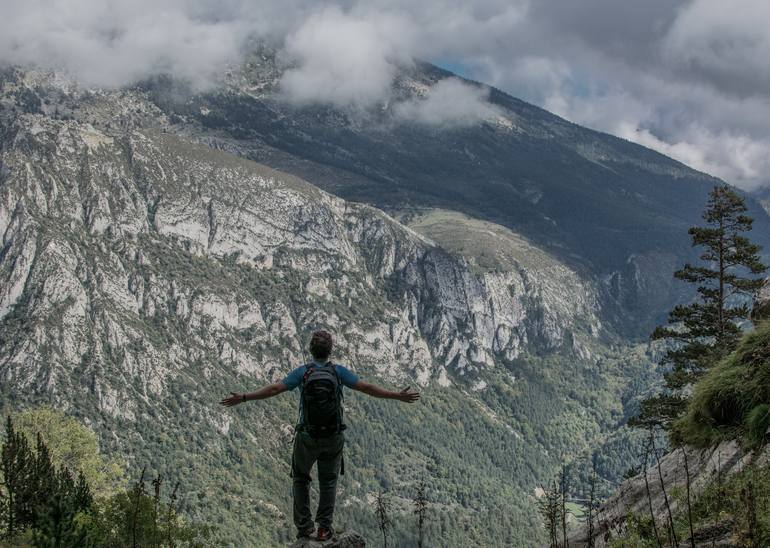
{"x":308,"y":370}
{"x":339,"y":381}
{"x":341,"y":425}
{"x":340,"y":395}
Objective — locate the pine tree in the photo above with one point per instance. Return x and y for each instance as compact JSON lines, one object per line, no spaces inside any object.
{"x":563,"y":510}
{"x":382,"y":508}
{"x":592,"y":506}
{"x":704,"y":331}
{"x":44,"y":480}
{"x":16,"y":464}
{"x":548,"y":506}
{"x":56,"y":523}
{"x":82,"y":497}
{"x":39,"y":496}
{"x":421,"y":509}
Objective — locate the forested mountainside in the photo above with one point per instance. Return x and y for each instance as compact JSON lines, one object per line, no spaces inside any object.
{"x":612,"y":209}
{"x":145,"y":275}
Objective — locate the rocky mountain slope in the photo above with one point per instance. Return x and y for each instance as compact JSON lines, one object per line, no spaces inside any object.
{"x":145,"y":199}
{"x":144,"y":274}
{"x":613,"y":210}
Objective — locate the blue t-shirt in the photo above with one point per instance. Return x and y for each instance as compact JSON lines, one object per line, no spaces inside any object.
{"x":294,"y":379}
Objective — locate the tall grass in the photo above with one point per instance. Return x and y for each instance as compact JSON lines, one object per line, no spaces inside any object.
{"x":731,"y":400}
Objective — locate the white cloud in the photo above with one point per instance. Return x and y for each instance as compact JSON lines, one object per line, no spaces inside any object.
{"x":687,"y":77}
{"x":734,"y":158}
{"x":725,"y":43}
{"x":448,"y":103}
{"x":689,"y":80}
{"x":731,"y":155}
{"x":343,"y":59}
{"x":111,"y":43}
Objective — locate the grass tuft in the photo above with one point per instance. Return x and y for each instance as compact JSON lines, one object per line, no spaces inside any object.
{"x":731,"y":400}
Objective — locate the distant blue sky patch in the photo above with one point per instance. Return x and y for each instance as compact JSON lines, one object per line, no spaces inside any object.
{"x":459,"y":68}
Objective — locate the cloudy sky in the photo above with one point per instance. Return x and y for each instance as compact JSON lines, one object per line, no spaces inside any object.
{"x":690,"y":78}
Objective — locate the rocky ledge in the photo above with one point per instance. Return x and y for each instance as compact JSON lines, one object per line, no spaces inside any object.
{"x":637,"y":496}
{"x":350,"y":539}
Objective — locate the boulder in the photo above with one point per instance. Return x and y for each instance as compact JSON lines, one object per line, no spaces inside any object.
{"x":349,"y":539}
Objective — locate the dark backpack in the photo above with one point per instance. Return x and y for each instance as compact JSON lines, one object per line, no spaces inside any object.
{"x":322,"y":400}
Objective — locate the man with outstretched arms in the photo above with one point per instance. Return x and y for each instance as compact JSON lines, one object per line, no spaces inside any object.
{"x":319,"y":432}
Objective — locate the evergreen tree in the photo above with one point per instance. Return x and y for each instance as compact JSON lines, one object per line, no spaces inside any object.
{"x":382,"y":509}
{"x":548,"y":506}
{"x":82,"y":497}
{"x":421,"y":509}
{"x":37,"y":495}
{"x":563,"y":510}
{"x":74,"y":445}
{"x":55,"y":509}
{"x":17,"y":466}
{"x":704,"y":331}
{"x":57,"y":523}
{"x":44,"y":478}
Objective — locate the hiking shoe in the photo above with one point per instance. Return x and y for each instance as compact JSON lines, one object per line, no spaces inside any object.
{"x":324,"y":533}
{"x":306,"y":533}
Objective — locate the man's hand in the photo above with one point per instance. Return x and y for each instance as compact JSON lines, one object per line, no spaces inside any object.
{"x":232,"y":399}
{"x":408,"y":397}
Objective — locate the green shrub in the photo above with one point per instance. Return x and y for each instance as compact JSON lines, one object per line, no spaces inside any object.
{"x":728,"y":401}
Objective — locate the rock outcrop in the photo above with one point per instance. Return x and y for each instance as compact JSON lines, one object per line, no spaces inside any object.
{"x":705,"y":465}
{"x":348,"y":539}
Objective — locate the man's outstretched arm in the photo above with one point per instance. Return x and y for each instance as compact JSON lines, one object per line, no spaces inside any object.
{"x":265,"y":392}
{"x":378,"y":392}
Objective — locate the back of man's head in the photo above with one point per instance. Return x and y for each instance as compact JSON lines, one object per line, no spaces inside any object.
{"x":321,"y":344}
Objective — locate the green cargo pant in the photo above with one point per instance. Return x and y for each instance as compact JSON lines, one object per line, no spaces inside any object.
{"x":328,"y":453}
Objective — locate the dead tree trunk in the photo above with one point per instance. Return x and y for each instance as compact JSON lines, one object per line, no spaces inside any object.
{"x":671,"y":531}
{"x":647,"y":450}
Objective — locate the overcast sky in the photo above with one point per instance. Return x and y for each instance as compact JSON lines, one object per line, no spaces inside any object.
{"x":690,"y":78}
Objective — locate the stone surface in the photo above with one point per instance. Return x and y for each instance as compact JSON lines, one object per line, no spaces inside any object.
{"x":349,"y":539}
{"x":631,"y":497}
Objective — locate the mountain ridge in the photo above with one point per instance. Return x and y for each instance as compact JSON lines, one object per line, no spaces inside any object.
{"x":609,"y":207}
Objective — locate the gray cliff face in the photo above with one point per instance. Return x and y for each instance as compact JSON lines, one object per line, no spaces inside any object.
{"x":110,"y":236}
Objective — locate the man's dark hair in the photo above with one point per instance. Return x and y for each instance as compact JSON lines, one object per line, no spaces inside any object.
{"x":321,"y":344}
